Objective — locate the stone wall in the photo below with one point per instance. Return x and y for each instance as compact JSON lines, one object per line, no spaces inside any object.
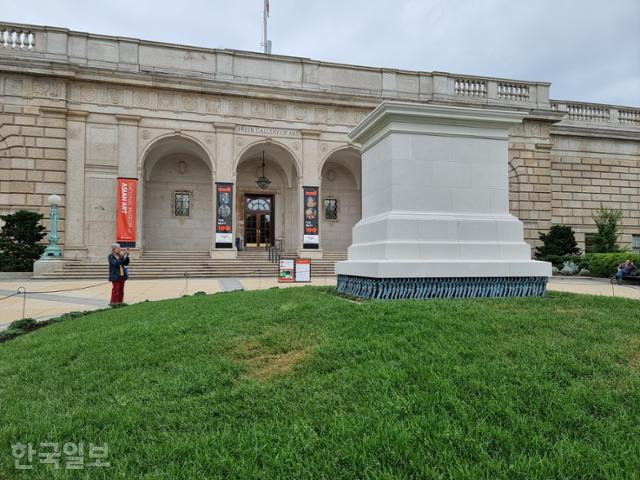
{"x":587,"y":173}
{"x":32,"y":158}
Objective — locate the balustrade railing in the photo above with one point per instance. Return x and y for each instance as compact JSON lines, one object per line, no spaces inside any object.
{"x":513,"y":91}
{"x":17,"y":38}
{"x":630,"y":117}
{"x":470,"y":88}
{"x":600,"y":114}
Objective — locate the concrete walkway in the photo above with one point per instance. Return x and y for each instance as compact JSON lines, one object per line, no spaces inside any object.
{"x":47,"y":299}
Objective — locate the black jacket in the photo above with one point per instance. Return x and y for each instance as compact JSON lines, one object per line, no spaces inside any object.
{"x":114,"y":267}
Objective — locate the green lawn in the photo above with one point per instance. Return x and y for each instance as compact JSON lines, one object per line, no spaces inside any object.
{"x":300,"y":383}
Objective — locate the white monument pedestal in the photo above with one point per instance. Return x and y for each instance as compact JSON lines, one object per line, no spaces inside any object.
{"x":435,"y":207}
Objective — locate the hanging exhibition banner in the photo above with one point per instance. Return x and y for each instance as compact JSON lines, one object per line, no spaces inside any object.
{"x":126,"y":212}
{"x":303,"y":269}
{"x":285,"y":270}
{"x":224,"y":215}
{"x":311,"y":238}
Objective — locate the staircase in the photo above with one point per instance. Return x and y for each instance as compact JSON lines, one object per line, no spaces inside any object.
{"x":165,"y":264}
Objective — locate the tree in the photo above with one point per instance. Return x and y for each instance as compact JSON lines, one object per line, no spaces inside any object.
{"x":559,"y":241}
{"x":19,"y":241}
{"x":608,"y":223}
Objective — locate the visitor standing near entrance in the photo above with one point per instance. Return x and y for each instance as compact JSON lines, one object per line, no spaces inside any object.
{"x":118,"y":261}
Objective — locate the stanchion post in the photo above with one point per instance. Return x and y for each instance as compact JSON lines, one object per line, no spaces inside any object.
{"x":22,"y":290}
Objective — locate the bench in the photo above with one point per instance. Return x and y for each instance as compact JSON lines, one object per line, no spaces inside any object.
{"x":628,"y":279}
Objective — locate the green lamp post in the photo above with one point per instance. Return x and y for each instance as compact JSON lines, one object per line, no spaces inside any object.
{"x":53,"y":250}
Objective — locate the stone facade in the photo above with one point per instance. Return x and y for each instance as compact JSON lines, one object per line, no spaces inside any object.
{"x":80,"y":110}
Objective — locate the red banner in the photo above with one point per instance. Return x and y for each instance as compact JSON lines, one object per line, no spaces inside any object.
{"x":126,"y":213}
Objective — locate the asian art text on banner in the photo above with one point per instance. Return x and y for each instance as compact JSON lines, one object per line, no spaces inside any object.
{"x":126,"y":211}
{"x":224,"y":215}
{"x":311,"y":238}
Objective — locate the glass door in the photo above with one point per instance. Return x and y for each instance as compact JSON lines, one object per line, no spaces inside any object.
{"x":258,"y":229}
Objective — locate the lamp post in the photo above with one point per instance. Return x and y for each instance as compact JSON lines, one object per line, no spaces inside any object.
{"x":53,"y":250}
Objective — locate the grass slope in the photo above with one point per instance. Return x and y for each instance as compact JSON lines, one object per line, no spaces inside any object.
{"x":299,"y":383}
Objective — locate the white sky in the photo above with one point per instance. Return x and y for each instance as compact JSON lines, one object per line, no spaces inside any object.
{"x":588,"y":49}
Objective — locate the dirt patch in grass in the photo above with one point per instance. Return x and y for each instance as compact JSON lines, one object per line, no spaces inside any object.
{"x":634,"y":359}
{"x":274,"y":353}
{"x":265,"y":366}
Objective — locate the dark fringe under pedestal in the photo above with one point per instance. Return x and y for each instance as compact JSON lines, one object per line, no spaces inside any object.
{"x":421,"y":288}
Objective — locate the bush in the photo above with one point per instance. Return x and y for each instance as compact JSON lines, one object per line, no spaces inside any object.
{"x":606,"y":238}
{"x":606,"y":264}
{"x":560,"y":241}
{"x":558,"y":261}
{"x":569,"y":268}
{"x":19,"y":241}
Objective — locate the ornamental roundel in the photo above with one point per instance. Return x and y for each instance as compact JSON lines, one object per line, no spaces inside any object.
{"x":115,"y":96}
{"x":89,"y":94}
{"x":190,"y":103}
{"x":146,"y":134}
{"x":142,"y":99}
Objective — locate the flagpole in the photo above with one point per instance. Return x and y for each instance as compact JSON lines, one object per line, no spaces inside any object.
{"x":264,"y":26}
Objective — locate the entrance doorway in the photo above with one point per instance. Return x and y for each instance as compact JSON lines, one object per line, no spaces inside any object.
{"x":258,"y":220}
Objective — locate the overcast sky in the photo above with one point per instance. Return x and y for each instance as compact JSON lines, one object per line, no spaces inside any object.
{"x":588,"y":49}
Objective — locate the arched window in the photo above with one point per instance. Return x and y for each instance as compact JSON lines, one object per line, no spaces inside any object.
{"x":259,"y":204}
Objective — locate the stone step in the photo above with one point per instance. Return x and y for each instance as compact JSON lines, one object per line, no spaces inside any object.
{"x":167,"y":264}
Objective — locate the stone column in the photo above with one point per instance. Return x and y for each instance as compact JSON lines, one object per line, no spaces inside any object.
{"x":75,"y":246}
{"x":225,"y":172}
{"x":128,"y":167}
{"x":435,"y":218}
{"x":310,"y":178}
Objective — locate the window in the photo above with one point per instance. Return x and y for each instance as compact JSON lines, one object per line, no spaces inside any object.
{"x":331,"y":209}
{"x":588,"y":242}
{"x":635,"y":243}
{"x":258,"y":204}
{"x":182,"y":205}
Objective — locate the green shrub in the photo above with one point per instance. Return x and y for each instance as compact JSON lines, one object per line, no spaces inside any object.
{"x":559,"y":260}
{"x":19,"y":241}
{"x":608,"y":224}
{"x":606,"y":264}
{"x":23,"y":324}
{"x":559,"y":241}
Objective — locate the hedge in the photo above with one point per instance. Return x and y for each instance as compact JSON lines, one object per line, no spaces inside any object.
{"x":558,"y":260}
{"x":599,"y":264}
{"x":606,"y":264}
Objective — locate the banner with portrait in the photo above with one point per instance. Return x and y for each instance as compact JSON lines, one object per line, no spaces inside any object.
{"x":224,"y":215}
{"x":126,"y":212}
{"x":311,"y":238}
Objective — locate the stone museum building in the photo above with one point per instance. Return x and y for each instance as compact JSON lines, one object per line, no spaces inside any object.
{"x":173,"y":148}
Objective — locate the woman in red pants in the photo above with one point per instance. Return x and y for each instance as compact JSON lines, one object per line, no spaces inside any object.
{"x":118,"y":260}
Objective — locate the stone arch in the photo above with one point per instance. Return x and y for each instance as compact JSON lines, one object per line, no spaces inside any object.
{"x":282,"y":221}
{"x":341,"y":181}
{"x":354,"y":167}
{"x":175,"y":168}
{"x":242,"y":154}
{"x":167,"y":137}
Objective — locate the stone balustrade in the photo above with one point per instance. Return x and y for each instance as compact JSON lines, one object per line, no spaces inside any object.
{"x":12,"y":37}
{"x":598,"y":114}
{"x":61,"y":46}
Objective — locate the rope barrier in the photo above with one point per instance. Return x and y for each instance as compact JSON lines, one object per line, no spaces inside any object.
{"x":25,"y":292}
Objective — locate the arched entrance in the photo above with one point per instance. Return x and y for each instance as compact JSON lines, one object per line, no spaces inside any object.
{"x":177,"y":196}
{"x":268,"y":215}
{"x":341,"y":199}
